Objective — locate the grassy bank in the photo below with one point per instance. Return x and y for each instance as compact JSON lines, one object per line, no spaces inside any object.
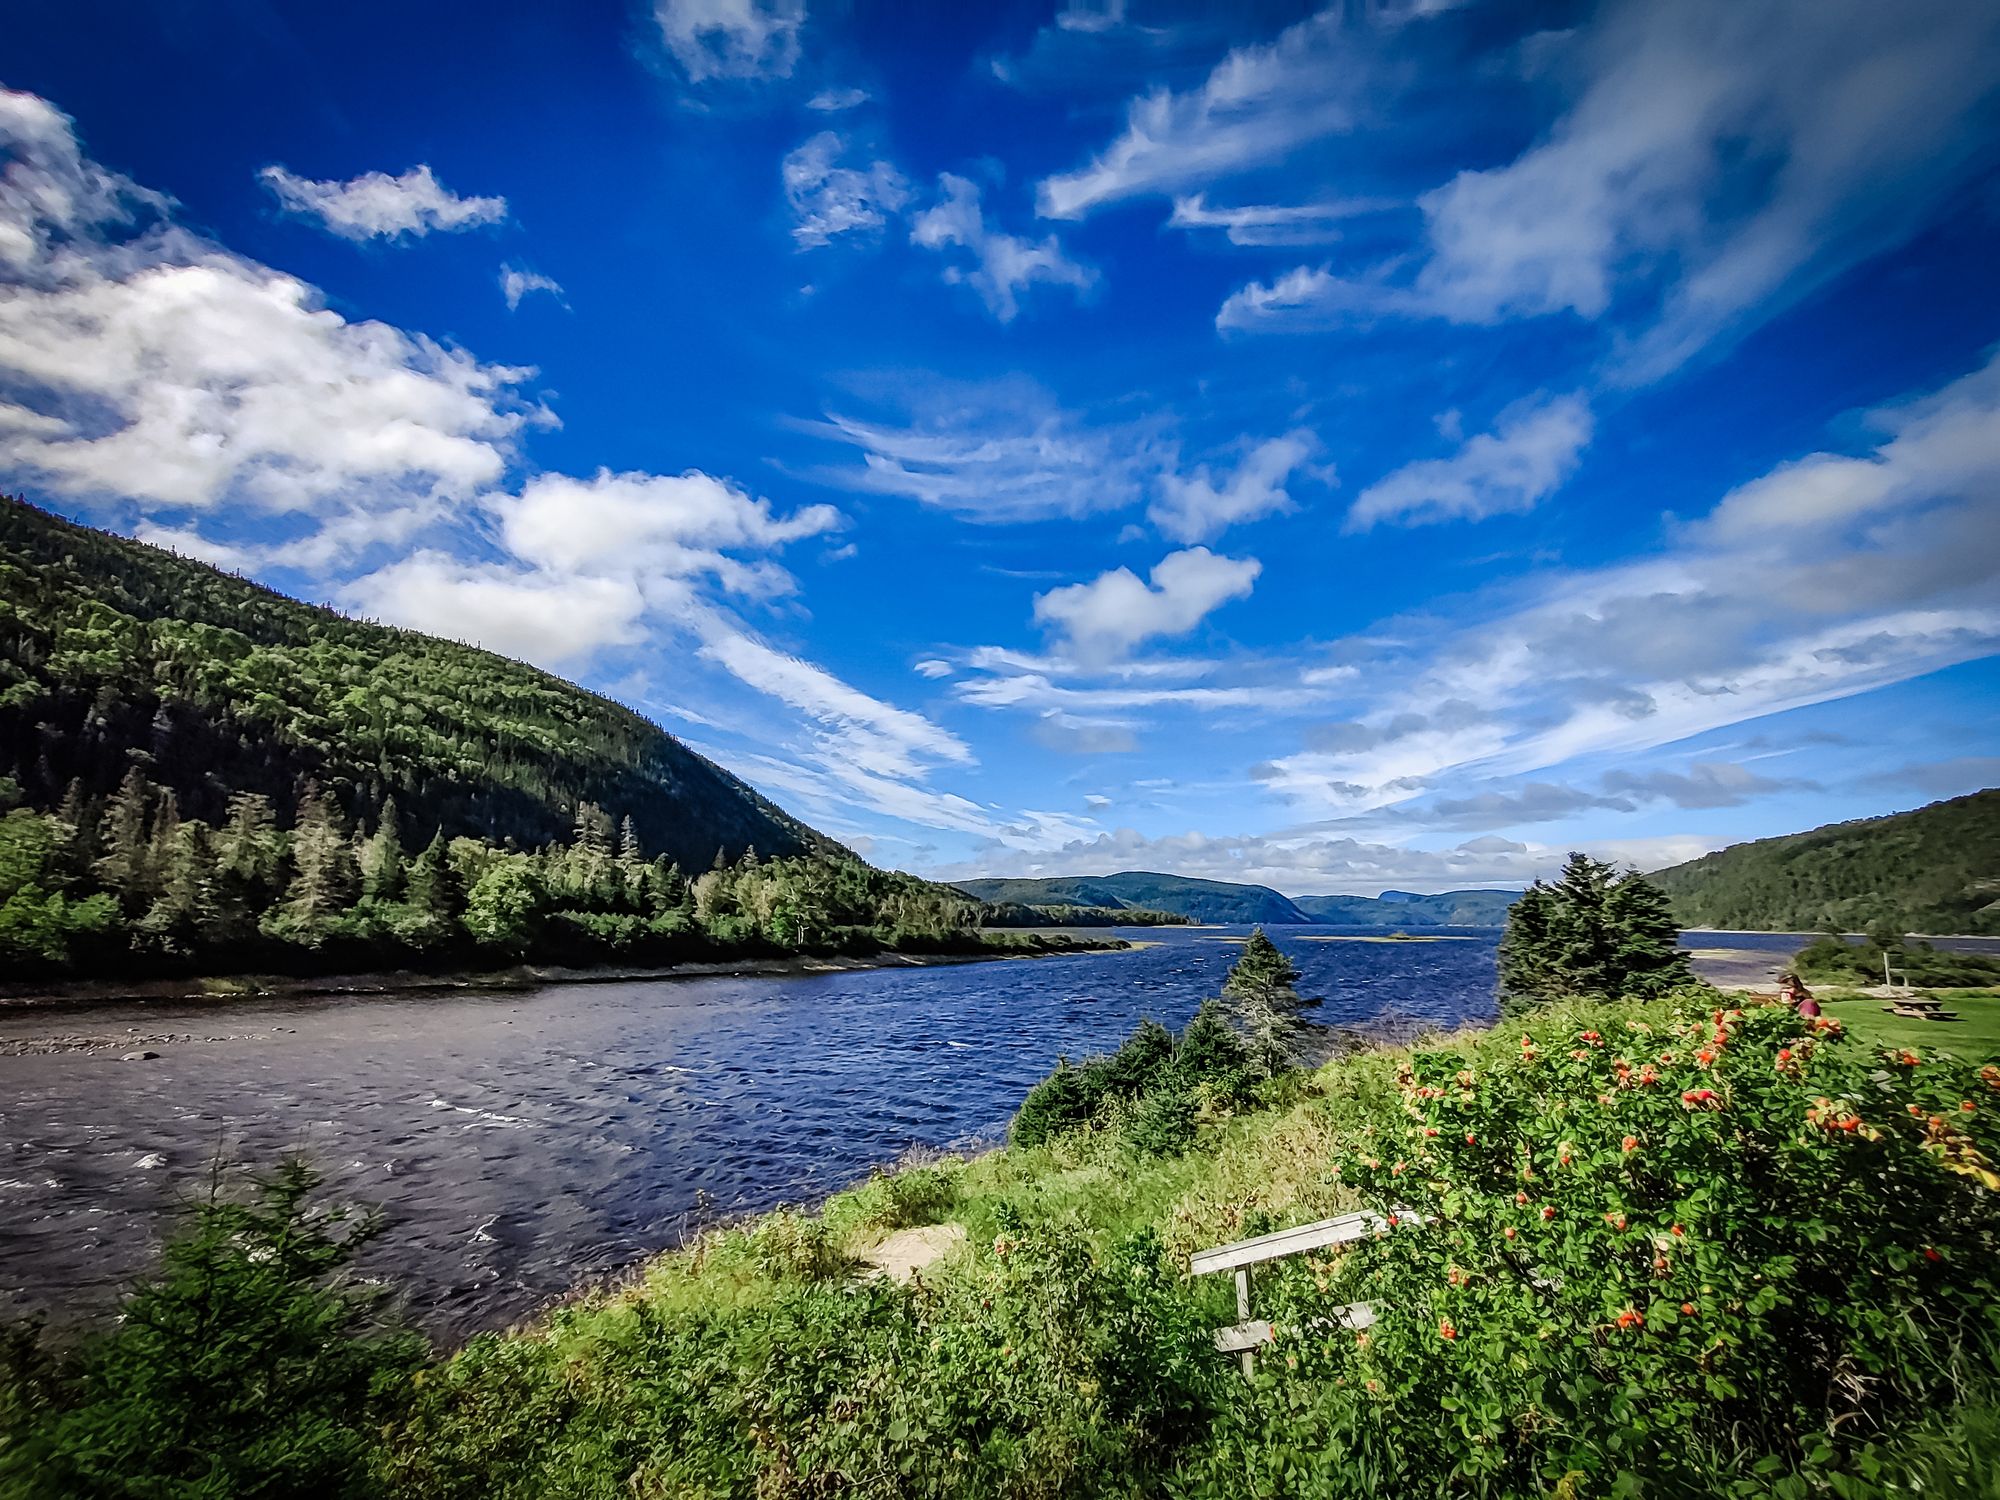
{"x":1657,"y":1250}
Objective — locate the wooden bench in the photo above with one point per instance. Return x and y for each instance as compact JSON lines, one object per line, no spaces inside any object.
{"x":1243,"y":1337}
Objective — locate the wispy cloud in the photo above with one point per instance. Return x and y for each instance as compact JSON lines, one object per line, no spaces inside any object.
{"x":378,"y":206}
{"x":739,"y":39}
{"x":997,"y":265}
{"x":517,"y":282}
{"x":828,"y":199}
{"x":1200,"y":505}
{"x":1718,"y":161}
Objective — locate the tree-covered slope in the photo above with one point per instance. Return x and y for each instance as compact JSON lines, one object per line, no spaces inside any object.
{"x":1200,"y":900}
{"x":115,"y":655}
{"x":1407,"y":909}
{"x":1936,"y":869}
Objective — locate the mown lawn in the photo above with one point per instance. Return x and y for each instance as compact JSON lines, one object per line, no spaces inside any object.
{"x":1974,"y":1035}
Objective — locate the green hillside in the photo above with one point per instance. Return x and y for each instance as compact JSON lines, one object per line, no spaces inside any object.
{"x":200,"y":776}
{"x":1406,"y":909}
{"x":116,"y":655}
{"x":1936,"y":869}
{"x":1199,"y":900}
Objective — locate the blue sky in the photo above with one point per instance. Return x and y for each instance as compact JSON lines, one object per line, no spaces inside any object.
{"x":1385,"y":445}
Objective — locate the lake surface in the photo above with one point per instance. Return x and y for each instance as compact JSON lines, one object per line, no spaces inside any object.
{"x":523,"y":1141}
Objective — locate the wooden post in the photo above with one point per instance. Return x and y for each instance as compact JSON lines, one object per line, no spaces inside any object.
{"x":1243,"y":1316}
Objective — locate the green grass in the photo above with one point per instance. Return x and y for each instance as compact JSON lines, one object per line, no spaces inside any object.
{"x":1975,"y":1034}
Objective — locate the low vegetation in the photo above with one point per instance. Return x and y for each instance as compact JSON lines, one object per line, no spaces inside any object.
{"x":1873,"y":960}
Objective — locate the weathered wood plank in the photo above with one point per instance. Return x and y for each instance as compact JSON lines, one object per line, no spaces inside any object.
{"x":1317,"y":1236}
{"x":1242,"y":1337}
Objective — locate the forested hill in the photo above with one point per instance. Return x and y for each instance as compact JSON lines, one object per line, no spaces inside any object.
{"x":116,"y":656}
{"x":1199,"y":900}
{"x":1933,"y":870}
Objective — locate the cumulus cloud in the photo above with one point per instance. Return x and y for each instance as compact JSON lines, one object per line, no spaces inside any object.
{"x":1717,"y":162}
{"x":1116,"y":610}
{"x":378,"y":206}
{"x":997,"y":265}
{"x":1200,"y":505}
{"x":548,"y":618}
{"x":740,"y":39}
{"x":517,"y":282}
{"x":144,"y":365}
{"x":1530,"y":453}
{"x":828,"y":199}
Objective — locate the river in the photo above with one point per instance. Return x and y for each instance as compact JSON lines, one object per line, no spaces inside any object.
{"x":520,"y":1142}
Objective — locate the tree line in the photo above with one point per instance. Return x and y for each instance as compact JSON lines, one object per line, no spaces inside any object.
{"x":127,"y":884}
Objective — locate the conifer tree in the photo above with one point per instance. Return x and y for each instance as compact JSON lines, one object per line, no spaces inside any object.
{"x":122,"y":866}
{"x":380,"y":858}
{"x":186,"y":913}
{"x":1594,"y":932}
{"x":323,"y":876}
{"x":1263,"y":1001}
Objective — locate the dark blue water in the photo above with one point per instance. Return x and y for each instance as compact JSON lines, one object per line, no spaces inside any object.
{"x":522,"y":1141}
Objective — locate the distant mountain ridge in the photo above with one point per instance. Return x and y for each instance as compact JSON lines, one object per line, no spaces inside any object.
{"x":1934,"y":869}
{"x":1227,"y":902}
{"x":1218,"y":901}
{"x":1483,"y":908}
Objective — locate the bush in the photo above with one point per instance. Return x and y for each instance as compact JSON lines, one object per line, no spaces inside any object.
{"x":245,"y":1367}
{"x":1164,"y":1122}
{"x":1834,"y":960}
{"x":1684,"y":1256}
{"x":790,"y":1246}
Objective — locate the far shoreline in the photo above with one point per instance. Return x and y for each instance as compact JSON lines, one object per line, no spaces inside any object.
{"x":226,"y":988}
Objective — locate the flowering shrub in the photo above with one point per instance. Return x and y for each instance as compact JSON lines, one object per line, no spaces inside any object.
{"x":1668,"y":1244}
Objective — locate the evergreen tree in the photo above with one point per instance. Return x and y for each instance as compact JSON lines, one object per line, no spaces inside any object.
{"x":187,"y":912}
{"x":323,"y":875}
{"x":1261,"y":998}
{"x":122,"y":866}
{"x":380,"y":858}
{"x":1595,"y":932}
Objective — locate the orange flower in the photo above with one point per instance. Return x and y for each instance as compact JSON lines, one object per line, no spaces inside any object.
{"x":1508,"y":1231}
{"x":1687,"y":1310}
{"x":1520,"y":1197}
{"x":1677,"y":1230}
{"x":1631,"y":1318}
{"x":1471,"y":1139}
{"x":1930,"y":1253}
{"x":1630,"y":1143}
{"x":1445,"y":1330}
{"x":1547,"y":1213}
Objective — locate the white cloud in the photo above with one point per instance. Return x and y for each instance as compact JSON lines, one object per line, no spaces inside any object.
{"x":1272,"y":224}
{"x":517,"y":282}
{"x":1258,"y":104}
{"x":1003,"y":264}
{"x":731,"y":38}
{"x":833,"y":101}
{"x":828,"y":199}
{"x":653,"y":524}
{"x":1532,"y":450}
{"x":378,"y":206}
{"x":141,"y":364}
{"x":1719,"y":161}
{"x":1828,"y":577}
{"x":1201,"y":505}
{"x":547,"y":618}
{"x":1116,"y":611}
{"x":998,"y":452}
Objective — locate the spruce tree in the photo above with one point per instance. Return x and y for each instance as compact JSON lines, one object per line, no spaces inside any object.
{"x":1262,"y":998}
{"x":1595,"y":932}
{"x":380,"y":858}
{"x":122,"y":865}
{"x":323,"y":875}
